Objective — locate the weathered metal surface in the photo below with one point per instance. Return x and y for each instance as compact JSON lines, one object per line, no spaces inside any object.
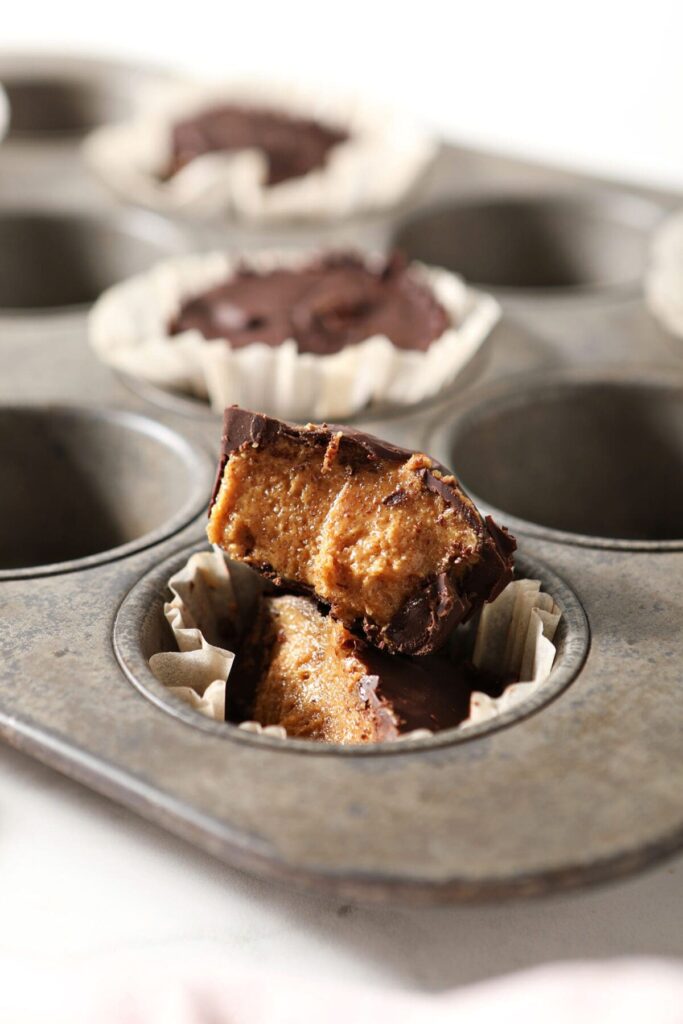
{"x":584,"y":787}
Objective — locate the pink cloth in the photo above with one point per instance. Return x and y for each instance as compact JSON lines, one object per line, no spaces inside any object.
{"x":208,"y":989}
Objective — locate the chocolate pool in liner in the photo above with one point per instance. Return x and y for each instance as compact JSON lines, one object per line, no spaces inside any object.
{"x":214,"y":600}
{"x":130,"y":330}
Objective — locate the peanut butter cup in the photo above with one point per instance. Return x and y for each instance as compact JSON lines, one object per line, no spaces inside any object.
{"x":262,"y":151}
{"x":306,"y":672}
{"x":381,"y":536}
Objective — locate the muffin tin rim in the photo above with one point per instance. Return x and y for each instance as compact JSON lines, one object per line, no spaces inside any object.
{"x":511,"y":389}
{"x":149,"y":587}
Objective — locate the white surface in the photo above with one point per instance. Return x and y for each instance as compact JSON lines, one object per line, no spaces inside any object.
{"x":82,"y":876}
{"x":209,"y":986}
{"x":596,"y":83}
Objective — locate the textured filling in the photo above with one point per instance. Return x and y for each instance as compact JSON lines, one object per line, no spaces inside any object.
{"x":363,"y":538}
{"x":309,"y":679}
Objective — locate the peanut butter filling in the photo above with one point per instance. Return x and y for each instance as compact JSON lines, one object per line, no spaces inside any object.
{"x":363,"y":538}
{"x":311,"y":682}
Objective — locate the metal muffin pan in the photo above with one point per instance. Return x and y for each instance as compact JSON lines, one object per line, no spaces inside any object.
{"x":56,"y":97}
{"x":56,"y":259}
{"x":535,"y":243}
{"x":572,"y":428}
{"x":110,"y":482}
{"x":631,"y":424}
{"x":141,"y":630}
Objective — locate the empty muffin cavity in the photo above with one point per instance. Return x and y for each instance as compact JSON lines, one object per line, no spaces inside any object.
{"x":57,"y":260}
{"x":546,"y":243}
{"x":596,"y":461}
{"x":54,"y":105}
{"x":82,"y":486}
{"x":61,"y":97}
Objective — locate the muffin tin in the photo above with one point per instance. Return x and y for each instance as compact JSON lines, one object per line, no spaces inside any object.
{"x":579,"y":396}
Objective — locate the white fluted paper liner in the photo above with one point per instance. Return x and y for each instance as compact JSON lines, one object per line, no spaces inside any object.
{"x":210,"y":603}
{"x":213,"y":600}
{"x":384,"y":156}
{"x":128,"y":328}
{"x":4,"y":113}
{"x":514,"y":636}
{"x":664,"y":279}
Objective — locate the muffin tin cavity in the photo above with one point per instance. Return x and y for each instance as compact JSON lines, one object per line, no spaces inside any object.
{"x":55,"y":97}
{"x":141,"y":630}
{"x":59,"y":106}
{"x":58,"y":260}
{"x":597,"y":461}
{"x":549,"y":243}
{"x":82,"y":486}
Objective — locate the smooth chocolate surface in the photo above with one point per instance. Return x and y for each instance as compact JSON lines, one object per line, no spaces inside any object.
{"x":332,"y":302}
{"x":438,"y":603}
{"x":431,"y":692}
{"x":292,"y":146}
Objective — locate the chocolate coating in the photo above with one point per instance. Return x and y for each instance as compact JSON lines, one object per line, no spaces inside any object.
{"x":324,"y":306}
{"x":432,"y":692}
{"x":443,"y":601}
{"x":292,"y":146}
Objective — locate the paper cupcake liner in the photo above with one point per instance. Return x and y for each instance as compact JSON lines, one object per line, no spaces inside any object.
{"x":664,"y":280}
{"x":129,"y":330}
{"x":214,"y":600}
{"x":4,"y":113}
{"x":374,"y":169}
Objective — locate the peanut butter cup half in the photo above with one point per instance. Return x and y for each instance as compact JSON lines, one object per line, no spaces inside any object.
{"x":382,"y":537}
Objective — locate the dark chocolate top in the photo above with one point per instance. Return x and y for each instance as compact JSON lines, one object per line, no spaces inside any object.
{"x":293,"y":146}
{"x":443,"y":601}
{"x":432,"y":692}
{"x":325,"y":305}
{"x":241,"y":427}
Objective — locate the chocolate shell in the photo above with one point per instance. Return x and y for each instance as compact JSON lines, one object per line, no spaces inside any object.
{"x":441,"y":601}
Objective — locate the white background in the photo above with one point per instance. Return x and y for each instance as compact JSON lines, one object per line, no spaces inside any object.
{"x":595,"y":83}
{"x":598,"y":85}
